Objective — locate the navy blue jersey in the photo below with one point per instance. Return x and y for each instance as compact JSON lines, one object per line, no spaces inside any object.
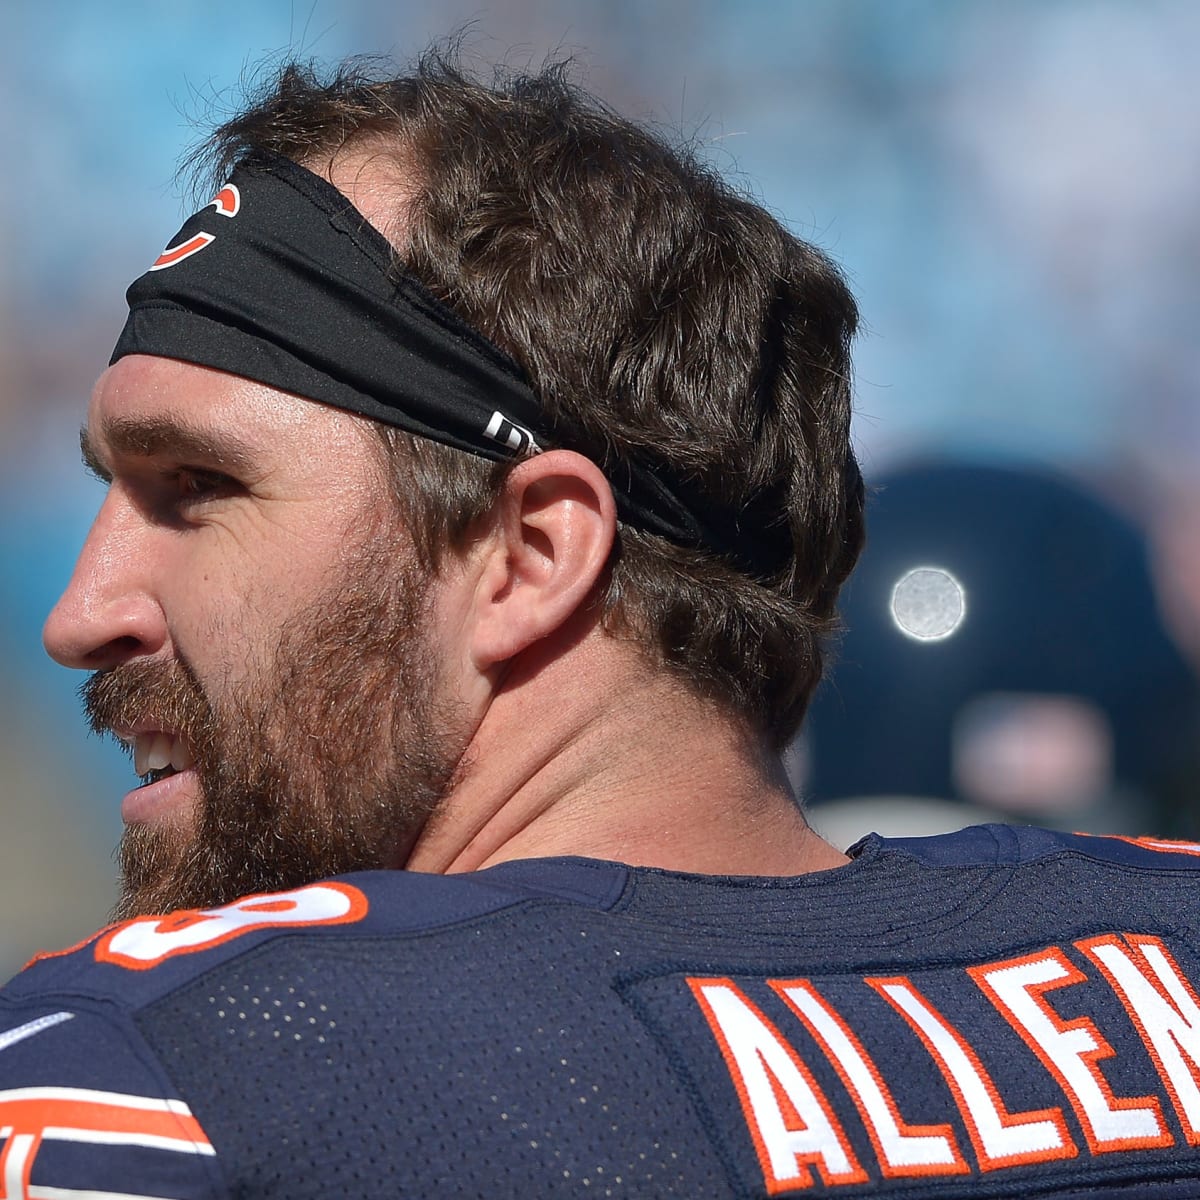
{"x":997,"y":1012}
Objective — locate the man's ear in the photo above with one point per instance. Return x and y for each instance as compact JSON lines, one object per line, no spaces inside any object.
{"x":555,"y":522}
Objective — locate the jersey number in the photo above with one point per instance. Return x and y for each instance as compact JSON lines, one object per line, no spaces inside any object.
{"x":149,"y":940}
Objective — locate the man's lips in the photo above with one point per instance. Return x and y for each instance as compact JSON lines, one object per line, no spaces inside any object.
{"x":161,"y":799}
{"x":165,"y":762}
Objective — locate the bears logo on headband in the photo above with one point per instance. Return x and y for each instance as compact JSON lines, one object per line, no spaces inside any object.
{"x":302,"y":293}
{"x":228,"y":202}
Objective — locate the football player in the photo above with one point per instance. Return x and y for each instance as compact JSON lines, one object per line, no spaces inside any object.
{"x":479,"y":492}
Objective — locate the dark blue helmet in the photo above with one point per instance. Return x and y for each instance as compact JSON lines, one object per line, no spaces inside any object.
{"x":1003,"y":638}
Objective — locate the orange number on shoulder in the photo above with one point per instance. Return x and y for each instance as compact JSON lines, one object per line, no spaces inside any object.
{"x":147,"y":941}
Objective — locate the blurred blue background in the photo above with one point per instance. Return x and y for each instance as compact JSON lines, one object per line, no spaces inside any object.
{"x":1010,"y":186}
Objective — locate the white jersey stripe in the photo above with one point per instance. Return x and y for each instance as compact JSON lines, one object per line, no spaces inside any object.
{"x":10,"y":1037}
{"x":104,"y":1137}
{"x":57,"y":1193}
{"x":90,"y":1096}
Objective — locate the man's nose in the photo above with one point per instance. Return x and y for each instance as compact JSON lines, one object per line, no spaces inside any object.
{"x":109,"y":612}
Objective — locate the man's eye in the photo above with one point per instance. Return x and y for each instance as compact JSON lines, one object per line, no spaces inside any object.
{"x":193,"y":485}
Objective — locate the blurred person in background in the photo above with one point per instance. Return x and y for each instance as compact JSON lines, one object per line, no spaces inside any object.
{"x":479,"y":492}
{"x":1005,"y":657}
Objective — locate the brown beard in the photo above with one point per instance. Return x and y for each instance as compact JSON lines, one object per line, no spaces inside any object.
{"x":331,"y":763}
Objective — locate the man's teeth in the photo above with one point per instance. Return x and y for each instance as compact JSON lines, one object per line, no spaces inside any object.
{"x":157,"y":751}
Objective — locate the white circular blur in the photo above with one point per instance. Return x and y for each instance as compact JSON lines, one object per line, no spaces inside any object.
{"x":928,"y":604}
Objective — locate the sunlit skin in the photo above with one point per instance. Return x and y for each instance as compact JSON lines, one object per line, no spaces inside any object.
{"x":229,"y":504}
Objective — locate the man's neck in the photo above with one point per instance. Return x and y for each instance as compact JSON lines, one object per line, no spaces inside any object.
{"x":594,"y":753}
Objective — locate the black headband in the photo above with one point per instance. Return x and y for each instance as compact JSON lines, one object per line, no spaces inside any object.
{"x":281,"y":280}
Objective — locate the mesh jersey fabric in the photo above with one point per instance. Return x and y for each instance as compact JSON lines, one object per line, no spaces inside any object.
{"x":998,"y":1012}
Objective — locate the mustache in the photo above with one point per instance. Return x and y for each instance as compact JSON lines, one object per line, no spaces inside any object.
{"x":162,"y":695}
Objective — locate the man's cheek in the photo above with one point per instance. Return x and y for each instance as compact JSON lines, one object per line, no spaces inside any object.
{"x":230,"y":647}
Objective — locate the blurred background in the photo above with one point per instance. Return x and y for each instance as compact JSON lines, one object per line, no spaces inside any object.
{"x":1010,"y":186}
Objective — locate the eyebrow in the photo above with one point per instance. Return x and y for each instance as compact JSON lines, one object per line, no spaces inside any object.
{"x":145,"y":437}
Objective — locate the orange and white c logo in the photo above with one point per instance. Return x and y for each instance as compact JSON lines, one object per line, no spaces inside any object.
{"x":228,"y":202}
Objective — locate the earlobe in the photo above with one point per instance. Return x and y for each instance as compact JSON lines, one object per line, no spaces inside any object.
{"x":555,"y":525}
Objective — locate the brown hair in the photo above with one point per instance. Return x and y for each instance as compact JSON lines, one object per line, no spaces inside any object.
{"x":659,"y":310}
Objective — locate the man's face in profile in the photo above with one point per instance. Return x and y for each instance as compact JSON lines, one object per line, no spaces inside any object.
{"x":258,"y":632}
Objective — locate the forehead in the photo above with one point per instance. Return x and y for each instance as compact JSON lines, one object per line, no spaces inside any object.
{"x":142,"y":402}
